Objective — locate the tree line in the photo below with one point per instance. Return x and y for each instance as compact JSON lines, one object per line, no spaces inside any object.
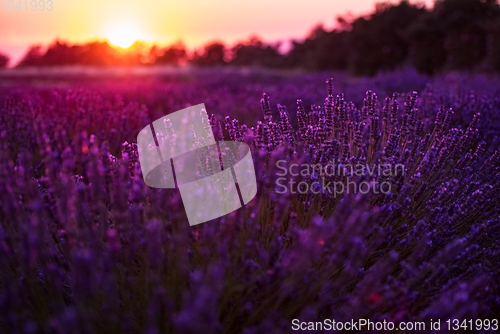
{"x":453,"y":35}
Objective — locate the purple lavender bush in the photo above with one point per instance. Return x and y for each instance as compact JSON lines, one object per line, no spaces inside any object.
{"x":87,"y":247}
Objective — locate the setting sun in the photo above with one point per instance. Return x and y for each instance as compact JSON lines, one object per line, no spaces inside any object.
{"x":123,"y":35}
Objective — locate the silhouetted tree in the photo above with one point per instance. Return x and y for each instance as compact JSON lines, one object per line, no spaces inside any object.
{"x":94,"y":53}
{"x":33,"y":57}
{"x":174,"y":55}
{"x":213,"y":54}
{"x":98,"y":53}
{"x":426,"y":44}
{"x":255,"y":53}
{"x":455,"y":34}
{"x":493,"y":45}
{"x":452,"y":36}
{"x":464,"y":22}
{"x":60,"y":53}
{"x":363,"y":45}
{"x":377,"y":42}
{"x":4,"y":60}
{"x":321,"y":50}
{"x":307,"y":54}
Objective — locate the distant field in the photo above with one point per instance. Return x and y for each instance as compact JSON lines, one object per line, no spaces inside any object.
{"x":87,"y":247}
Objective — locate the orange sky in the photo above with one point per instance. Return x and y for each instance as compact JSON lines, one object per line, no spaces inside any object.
{"x":162,"y":21}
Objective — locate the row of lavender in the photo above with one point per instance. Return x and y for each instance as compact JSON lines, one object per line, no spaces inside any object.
{"x":87,"y":247}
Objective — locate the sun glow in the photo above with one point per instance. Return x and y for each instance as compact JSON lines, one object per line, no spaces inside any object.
{"x":123,"y":35}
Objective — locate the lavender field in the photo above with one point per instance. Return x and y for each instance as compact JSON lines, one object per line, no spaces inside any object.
{"x":87,"y":247}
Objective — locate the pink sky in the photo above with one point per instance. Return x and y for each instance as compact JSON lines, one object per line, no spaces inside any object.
{"x":196,"y":22}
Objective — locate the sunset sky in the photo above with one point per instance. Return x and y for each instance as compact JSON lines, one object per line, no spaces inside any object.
{"x":195,"y":22}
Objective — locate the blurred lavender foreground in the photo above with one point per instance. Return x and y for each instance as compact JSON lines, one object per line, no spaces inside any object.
{"x":87,"y":247}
